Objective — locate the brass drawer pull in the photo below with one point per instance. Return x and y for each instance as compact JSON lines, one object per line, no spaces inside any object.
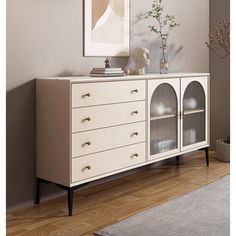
{"x":86,"y":168}
{"x":134,"y":91}
{"x":86,"y":119}
{"x":134,"y":113}
{"x":134,"y":134}
{"x":134,"y":155}
{"x":86,"y":143}
{"x":86,"y":95}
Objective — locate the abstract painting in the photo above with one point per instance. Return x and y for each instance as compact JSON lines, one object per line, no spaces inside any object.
{"x":106,"y":28}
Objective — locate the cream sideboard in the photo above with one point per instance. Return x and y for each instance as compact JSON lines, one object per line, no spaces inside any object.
{"x":90,"y":128}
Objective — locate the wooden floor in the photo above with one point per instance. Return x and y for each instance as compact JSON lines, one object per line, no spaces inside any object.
{"x":111,"y":202}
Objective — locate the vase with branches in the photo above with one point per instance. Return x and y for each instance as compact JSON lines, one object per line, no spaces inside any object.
{"x":219,"y":44}
{"x":165,"y":23}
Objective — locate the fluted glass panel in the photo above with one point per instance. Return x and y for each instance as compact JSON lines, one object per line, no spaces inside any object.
{"x":164,"y":118}
{"x":194,"y":114}
{"x":163,"y":135}
{"x":164,"y":101}
{"x":194,"y":97}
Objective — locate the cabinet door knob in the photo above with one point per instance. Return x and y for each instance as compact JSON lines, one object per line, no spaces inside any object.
{"x":87,"y":168}
{"x":86,"y":119}
{"x":134,"y":155}
{"x":134,"y":113}
{"x":134,"y":134}
{"x":134,"y":91}
{"x":87,"y":143}
{"x":86,"y":95}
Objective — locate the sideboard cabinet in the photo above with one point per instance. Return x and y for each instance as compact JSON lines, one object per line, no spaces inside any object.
{"x":91,"y":128}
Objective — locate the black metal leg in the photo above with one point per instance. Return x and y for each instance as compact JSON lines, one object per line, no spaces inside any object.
{"x":177,"y":158}
{"x":37,"y":197}
{"x":70,"y":192}
{"x":207,"y":155}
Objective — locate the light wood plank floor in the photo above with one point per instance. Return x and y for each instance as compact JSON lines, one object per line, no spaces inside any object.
{"x":111,"y":202}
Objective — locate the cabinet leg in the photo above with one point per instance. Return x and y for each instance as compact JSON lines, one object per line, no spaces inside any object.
{"x":177,"y":158}
{"x":207,"y":156}
{"x":37,"y":195}
{"x":70,"y":193}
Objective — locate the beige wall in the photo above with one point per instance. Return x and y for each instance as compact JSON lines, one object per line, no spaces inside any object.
{"x":44,"y":38}
{"x":220,"y":79}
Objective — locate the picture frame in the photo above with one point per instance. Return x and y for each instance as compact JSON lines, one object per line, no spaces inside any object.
{"x":106,"y":28}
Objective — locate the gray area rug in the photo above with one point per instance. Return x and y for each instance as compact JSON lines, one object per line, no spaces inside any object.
{"x":202,"y":212}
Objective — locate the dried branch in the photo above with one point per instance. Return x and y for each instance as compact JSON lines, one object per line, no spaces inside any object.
{"x":219,"y":40}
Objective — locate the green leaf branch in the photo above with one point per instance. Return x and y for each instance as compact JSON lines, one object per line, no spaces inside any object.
{"x":165,"y":23}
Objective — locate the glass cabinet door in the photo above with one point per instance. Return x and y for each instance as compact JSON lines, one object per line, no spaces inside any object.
{"x":193,"y":114}
{"x":163,"y":129}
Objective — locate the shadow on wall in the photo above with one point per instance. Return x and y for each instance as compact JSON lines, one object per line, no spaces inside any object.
{"x":175,"y":55}
{"x":21,"y":145}
{"x":142,"y":37}
{"x":20,"y":150}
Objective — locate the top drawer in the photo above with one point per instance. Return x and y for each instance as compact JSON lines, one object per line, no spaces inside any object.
{"x":91,"y":94}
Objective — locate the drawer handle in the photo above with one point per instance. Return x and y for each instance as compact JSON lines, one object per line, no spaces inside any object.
{"x":86,"y":168}
{"x":134,"y":156}
{"x":134,"y":134}
{"x":86,"y":119}
{"x":86,"y":143}
{"x":134,"y":91}
{"x":86,"y":95}
{"x":134,"y":113}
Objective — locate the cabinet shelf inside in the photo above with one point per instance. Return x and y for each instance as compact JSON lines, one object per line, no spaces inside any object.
{"x":189,"y":112}
{"x":166,"y":116}
{"x":163,"y":116}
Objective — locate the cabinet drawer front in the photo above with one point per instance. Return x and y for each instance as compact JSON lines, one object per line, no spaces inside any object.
{"x":88,"y":118}
{"x":109,"y":138}
{"x":104,"y":162}
{"x":91,"y":94}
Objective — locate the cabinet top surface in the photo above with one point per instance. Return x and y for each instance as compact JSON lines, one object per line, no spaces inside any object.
{"x":86,"y":79}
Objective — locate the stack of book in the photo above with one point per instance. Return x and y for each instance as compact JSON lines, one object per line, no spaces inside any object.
{"x":107,"y":72}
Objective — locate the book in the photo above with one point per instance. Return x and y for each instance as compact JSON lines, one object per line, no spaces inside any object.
{"x":106,"y":72}
{"x":107,"y":69}
{"x":107,"y":75}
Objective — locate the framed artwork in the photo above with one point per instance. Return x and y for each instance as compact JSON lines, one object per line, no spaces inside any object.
{"x":106,"y":28}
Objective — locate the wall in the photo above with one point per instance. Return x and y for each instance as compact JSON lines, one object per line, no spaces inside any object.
{"x":44,"y":38}
{"x":220,"y":79}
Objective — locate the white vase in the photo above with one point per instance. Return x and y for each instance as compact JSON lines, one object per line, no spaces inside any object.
{"x":157,"y":109}
{"x":190,"y":103}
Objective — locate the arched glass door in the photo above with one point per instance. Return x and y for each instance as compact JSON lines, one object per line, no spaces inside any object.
{"x":163,"y":119}
{"x":194,"y":114}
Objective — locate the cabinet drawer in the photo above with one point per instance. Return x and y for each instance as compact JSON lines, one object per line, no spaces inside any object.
{"x":109,"y":138}
{"x":105,"y":162}
{"x":88,"y":118}
{"x":91,"y":94}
